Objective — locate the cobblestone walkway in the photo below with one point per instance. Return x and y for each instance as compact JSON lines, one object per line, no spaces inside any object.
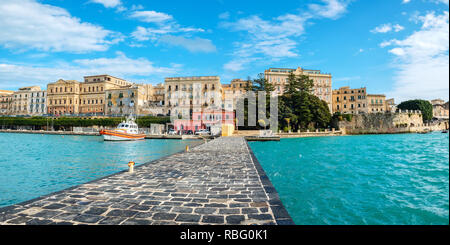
{"x":219,"y":182}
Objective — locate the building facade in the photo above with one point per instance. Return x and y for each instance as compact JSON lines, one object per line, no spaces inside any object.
{"x":63,"y":97}
{"x":440,"y":109}
{"x":38,"y":103}
{"x":185,"y":95}
{"x":347,"y":100}
{"x":232,"y":92}
{"x":92,"y":92}
{"x":322,"y":81}
{"x":127,"y":100}
{"x":6,"y":97}
{"x":205,"y":119}
{"x":376,"y":103}
{"x":21,"y":101}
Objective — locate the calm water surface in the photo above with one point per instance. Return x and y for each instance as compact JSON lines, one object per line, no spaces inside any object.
{"x":32,"y":165}
{"x":369,"y":179}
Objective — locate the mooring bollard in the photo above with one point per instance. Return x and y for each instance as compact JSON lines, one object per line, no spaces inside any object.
{"x":187,"y":148}
{"x":130,"y":167}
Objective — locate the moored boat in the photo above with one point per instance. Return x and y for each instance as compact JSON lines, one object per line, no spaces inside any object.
{"x":126,"y":130}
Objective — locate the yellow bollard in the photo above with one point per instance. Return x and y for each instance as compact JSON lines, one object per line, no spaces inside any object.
{"x":187,"y":148}
{"x":130,"y":167}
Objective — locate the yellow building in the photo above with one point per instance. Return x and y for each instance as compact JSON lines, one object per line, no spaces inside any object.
{"x":322,"y":81}
{"x":376,"y":103}
{"x":185,"y":95}
{"x":347,"y":100}
{"x":232,"y":92}
{"x":6,"y":97}
{"x":127,"y":100}
{"x":92,"y":92}
{"x":63,"y":97}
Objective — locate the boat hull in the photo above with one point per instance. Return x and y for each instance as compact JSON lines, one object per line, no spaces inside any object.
{"x":112,"y":135}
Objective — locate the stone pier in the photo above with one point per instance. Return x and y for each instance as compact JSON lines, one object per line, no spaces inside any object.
{"x":219,"y":182}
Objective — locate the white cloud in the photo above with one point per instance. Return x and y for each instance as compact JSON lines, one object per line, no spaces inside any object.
{"x":27,"y":24}
{"x":422,"y":60}
{"x":224,"y":15}
{"x":108,"y":3}
{"x":333,"y":9}
{"x":151,"y":16}
{"x":162,"y":28}
{"x":193,"y":45}
{"x":16,"y":75}
{"x":406,"y":1}
{"x":277,"y":38}
{"x":387,"y":28}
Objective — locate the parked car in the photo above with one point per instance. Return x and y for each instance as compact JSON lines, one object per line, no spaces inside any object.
{"x":187,"y":132}
{"x":172,"y":132}
{"x":202,"y":132}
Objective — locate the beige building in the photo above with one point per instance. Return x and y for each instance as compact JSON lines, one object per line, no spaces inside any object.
{"x":440,"y":109}
{"x":63,"y":97}
{"x":232,"y":92}
{"x":376,"y":103}
{"x":390,"y":105}
{"x":92,"y":92}
{"x":322,"y":81}
{"x":6,"y":97}
{"x":127,"y":100}
{"x":21,"y":101}
{"x":185,"y":95}
{"x":347,"y":100}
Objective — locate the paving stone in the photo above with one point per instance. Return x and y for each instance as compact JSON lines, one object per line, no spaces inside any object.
{"x":182,"y":210}
{"x":137,"y":222}
{"x":54,"y":206}
{"x":47,"y":214}
{"x":95,"y":211}
{"x":213,"y":219}
{"x":249,"y":211}
{"x":163,"y":216}
{"x":235,"y":219}
{"x":19,"y":220}
{"x":87,"y":218}
{"x":205,"y":210}
{"x":229,"y":211}
{"x":121,"y":213}
{"x":188,"y":218}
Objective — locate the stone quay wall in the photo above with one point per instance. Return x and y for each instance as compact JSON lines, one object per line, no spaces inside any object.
{"x":218,"y":182}
{"x":385,"y":123}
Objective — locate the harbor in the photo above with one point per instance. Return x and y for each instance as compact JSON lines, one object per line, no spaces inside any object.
{"x":218,"y":182}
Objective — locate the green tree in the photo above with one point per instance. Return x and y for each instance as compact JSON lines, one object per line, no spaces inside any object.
{"x":423,"y":105}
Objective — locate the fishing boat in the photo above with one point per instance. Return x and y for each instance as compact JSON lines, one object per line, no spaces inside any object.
{"x":126,"y":130}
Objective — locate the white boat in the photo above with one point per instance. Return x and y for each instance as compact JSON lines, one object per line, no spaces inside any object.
{"x":126,"y":130}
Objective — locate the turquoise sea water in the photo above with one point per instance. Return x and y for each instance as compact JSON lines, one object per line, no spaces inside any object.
{"x":400,"y":179}
{"x":32,"y":165}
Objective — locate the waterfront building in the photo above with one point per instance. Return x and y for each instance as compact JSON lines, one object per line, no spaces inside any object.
{"x":127,"y":100}
{"x":185,"y":95}
{"x":376,"y":103}
{"x":348,"y":100}
{"x":21,"y":101}
{"x":6,"y":97}
{"x":322,"y":81}
{"x":38,"y":103}
{"x":232,"y":92}
{"x":92,"y":92}
{"x":205,"y":119}
{"x":390,"y":105}
{"x":63,"y":97}
{"x":440,"y":109}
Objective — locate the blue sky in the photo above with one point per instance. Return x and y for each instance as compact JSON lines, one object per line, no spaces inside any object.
{"x":396,"y":47}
